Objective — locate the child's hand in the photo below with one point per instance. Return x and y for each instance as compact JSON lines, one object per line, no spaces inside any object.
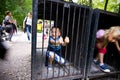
{"x":67,"y":40}
{"x":61,"y":40}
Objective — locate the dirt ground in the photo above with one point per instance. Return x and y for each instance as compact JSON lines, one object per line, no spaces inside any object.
{"x":17,"y":65}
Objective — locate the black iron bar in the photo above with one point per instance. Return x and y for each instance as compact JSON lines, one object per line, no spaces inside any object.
{"x":77,"y":37}
{"x":57,"y":13}
{"x":92,"y":44}
{"x":49,"y":31}
{"x":87,"y":30}
{"x":33,"y":47}
{"x":44,"y":12}
{"x":68,"y":20}
{"x":73,"y":35}
{"x":63,"y":22}
{"x":81,"y":41}
{"x":79,"y":20}
{"x":71,"y":49}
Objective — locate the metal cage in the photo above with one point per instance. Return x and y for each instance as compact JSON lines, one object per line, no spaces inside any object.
{"x":74,"y":21}
{"x":103,"y":20}
{"x":80,"y":24}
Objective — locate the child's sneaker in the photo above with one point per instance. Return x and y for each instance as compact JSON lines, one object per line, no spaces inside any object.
{"x":49,"y":67}
{"x":96,"y":62}
{"x":104,"y":68}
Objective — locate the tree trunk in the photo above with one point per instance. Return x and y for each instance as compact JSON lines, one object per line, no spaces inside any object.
{"x":90,"y":3}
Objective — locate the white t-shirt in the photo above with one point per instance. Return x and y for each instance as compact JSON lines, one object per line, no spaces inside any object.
{"x":29,"y":21}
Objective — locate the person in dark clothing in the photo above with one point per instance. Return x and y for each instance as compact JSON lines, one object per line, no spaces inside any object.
{"x":9,"y":25}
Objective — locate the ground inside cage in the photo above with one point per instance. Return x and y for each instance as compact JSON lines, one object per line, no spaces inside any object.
{"x":57,"y":71}
{"x":96,"y":71}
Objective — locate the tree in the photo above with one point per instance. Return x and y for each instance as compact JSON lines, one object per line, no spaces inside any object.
{"x":107,"y":5}
{"x":19,"y":9}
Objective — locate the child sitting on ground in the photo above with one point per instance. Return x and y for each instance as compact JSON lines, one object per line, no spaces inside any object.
{"x":103,"y":37}
{"x":54,"y":47}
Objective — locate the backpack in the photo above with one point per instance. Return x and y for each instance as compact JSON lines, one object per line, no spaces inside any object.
{"x":25,"y":24}
{"x":25,"y":20}
{"x":4,"y":23}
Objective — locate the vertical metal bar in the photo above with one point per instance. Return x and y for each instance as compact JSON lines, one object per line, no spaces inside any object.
{"x":49,"y":31}
{"x":67,"y":32}
{"x":106,"y":3}
{"x":63,"y":19}
{"x":77,"y":37}
{"x":73,"y":32}
{"x":62,"y":25}
{"x":88,"y":27}
{"x":44,"y":7}
{"x":68,"y":21}
{"x":56,"y":24}
{"x":56,"y":20}
{"x":72,"y":36}
{"x":33,"y":47}
{"x":44,"y":12}
{"x":79,"y":20}
{"x":50,"y":13}
{"x":119,"y":7}
{"x":84,"y":41}
{"x":92,"y":43}
{"x":81,"y":39}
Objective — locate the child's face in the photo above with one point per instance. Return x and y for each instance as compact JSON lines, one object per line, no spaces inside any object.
{"x":55,"y":32}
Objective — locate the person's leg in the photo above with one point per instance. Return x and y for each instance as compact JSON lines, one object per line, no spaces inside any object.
{"x":101,"y":58}
{"x":28,"y":33}
{"x":59,"y":59}
{"x":103,"y":67}
{"x":11,"y":34}
{"x":51,"y":58}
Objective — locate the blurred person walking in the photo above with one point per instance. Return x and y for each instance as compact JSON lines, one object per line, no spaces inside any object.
{"x":9,"y":25}
{"x":27,"y":25}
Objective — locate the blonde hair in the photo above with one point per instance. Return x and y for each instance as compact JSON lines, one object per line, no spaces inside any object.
{"x":113,"y":31}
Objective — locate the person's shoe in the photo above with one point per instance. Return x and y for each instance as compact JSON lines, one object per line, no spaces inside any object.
{"x":104,"y":68}
{"x":96,"y":62}
{"x":6,"y":39}
{"x":49,"y":67}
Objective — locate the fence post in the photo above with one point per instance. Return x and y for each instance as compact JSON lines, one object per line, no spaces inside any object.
{"x":33,"y":47}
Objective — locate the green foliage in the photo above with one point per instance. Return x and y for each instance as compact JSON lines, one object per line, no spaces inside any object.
{"x":19,"y":9}
{"x":112,"y":6}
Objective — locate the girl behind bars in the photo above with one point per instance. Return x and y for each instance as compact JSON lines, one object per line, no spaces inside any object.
{"x":103,"y":37}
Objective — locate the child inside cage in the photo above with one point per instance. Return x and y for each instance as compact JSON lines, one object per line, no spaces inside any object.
{"x":54,"y":47}
{"x":103,"y":37}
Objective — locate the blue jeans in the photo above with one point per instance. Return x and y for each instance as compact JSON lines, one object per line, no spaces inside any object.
{"x":28,"y":30}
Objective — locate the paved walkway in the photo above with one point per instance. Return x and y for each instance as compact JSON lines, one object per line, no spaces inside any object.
{"x":18,"y":63}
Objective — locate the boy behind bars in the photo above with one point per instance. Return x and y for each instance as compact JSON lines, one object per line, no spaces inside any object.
{"x":54,"y":47}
